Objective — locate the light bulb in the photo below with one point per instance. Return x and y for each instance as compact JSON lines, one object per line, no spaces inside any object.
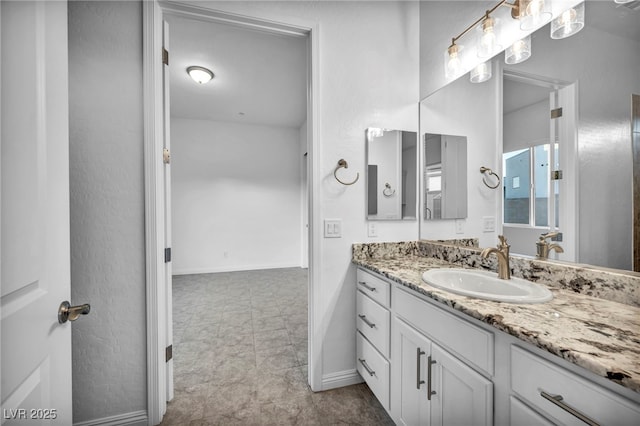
{"x":536,"y":13}
{"x":481,"y":73}
{"x":453,"y":64}
{"x":568,"y":23}
{"x":488,"y":44}
{"x":519,"y":51}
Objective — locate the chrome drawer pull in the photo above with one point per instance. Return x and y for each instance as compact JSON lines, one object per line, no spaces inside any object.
{"x":366,"y":367}
{"x":419,"y":382}
{"x":429,"y":391}
{"x":557,"y":400}
{"x":368,"y":287}
{"x":366,"y":321}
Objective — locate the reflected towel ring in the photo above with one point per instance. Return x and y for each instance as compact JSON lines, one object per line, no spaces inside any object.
{"x":387,"y":191}
{"x":343,"y":163}
{"x":484,"y":170}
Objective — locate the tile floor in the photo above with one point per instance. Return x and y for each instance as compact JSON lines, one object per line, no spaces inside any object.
{"x":240,"y":355}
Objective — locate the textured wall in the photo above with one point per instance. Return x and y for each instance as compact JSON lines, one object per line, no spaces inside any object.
{"x":107,"y":208}
{"x":235,"y":196}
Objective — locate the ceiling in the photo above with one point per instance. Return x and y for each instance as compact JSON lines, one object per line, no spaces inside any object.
{"x":260,"y":78}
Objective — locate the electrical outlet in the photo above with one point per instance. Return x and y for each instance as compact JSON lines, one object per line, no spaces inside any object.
{"x":488,"y":224}
{"x":372,"y":229}
{"x":459,"y":226}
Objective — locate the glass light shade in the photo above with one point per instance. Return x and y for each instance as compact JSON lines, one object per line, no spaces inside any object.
{"x":200,"y":75}
{"x":536,"y":13}
{"x":488,"y":38}
{"x":568,"y":23}
{"x":519,"y":51}
{"x":452,"y":62}
{"x":481,"y":73}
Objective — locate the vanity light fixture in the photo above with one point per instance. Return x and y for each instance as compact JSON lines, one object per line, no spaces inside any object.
{"x":200,"y":75}
{"x":452,"y":63}
{"x":533,"y":14}
{"x":481,"y":73}
{"x":519,"y":51}
{"x":568,"y":23}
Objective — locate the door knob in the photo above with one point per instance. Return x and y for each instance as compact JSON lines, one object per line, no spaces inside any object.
{"x":66,"y":312}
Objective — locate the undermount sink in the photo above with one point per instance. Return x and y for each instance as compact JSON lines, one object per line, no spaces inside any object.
{"x":486,"y":285}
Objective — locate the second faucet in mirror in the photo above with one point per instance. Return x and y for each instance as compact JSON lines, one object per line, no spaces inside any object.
{"x":543,"y":247}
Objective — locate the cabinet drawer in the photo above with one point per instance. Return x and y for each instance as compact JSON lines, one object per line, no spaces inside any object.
{"x":376,"y":288}
{"x":520,"y":414}
{"x":531,"y":376}
{"x":374,"y":369}
{"x":374,"y":322}
{"x":473,"y":344}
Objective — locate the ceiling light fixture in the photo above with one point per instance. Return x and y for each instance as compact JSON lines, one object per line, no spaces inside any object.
{"x":200,"y":75}
{"x":568,"y":23}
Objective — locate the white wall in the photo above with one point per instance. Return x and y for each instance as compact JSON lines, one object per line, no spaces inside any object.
{"x":107,"y":209}
{"x":466,"y":109}
{"x":368,"y":78}
{"x":236,"y":196}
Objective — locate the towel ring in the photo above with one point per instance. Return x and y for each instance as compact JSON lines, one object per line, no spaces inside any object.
{"x":387,"y":191}
{"x":343,"y":163}
{"x":484,"y":170}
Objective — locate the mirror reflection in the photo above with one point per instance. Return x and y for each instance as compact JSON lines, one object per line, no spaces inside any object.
{"x":445,"y":176}
{"x":391,"y":174}
{"x":567,"y":175}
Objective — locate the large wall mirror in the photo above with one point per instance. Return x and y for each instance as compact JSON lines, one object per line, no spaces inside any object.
{"x":508,"y":120}
{"x":391,"y":174}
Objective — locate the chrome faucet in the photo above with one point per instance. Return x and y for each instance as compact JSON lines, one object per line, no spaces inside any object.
{"x":543,"y":247}
{"x":502,"y":253}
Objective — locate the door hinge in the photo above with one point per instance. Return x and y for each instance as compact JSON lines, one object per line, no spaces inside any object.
{"x":165,"y":56}
{"x":168,"y":353}
{"x":166,"y":155}
{"x":556,"y":174}
{"x":556,"y":113}
{"x":167,"y":255}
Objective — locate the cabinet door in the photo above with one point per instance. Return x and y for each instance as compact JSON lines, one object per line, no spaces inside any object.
{"x":462,"y":396}
{"x":411,"y":350}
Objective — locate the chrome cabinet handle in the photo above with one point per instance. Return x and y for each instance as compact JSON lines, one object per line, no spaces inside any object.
{"x":419,"y":353}
{"x":66,"y":312}
{"x":557,"y":400}
{"x":366,"y":367}
{"x":430,"y":362}
{"x":366,"y":321}
{"x":368,"y":287}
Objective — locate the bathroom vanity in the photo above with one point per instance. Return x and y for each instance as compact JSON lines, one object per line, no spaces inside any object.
{"x":434,"y":357}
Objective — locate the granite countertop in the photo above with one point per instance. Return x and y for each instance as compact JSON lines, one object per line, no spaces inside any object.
{"x":599,"y":335}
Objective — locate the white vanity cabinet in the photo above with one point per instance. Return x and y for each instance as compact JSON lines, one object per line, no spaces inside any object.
{"x":373,"y":324}
{"x":430,"y":385}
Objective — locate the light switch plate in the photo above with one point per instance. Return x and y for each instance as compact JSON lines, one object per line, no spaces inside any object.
{"x":459,"y":226}
{"x":333,"y":228}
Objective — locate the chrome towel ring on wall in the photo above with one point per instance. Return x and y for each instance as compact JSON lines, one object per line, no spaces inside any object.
{"x":485,"y":171}
{"x":343,"y":163}
{"x":387,"y":191}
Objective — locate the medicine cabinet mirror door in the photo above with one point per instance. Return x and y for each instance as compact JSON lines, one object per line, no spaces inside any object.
{"x":392,"y":189}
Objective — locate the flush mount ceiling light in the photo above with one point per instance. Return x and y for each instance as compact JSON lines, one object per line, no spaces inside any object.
{"x":568,"y":23}
{"x":200,"y":75}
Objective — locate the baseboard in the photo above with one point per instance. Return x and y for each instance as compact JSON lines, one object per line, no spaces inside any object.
{"x":231,"y":268}
{"x":341,"y":379}
{"x":136,"y":418}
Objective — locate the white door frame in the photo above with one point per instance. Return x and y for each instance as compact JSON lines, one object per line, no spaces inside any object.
{"x":155,"y":221}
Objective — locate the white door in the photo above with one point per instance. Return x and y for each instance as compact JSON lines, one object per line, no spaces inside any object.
{"x":36,"y":348}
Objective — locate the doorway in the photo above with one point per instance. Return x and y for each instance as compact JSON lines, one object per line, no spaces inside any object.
{"x":158,"y":316}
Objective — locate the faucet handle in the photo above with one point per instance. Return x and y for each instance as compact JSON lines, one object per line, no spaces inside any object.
{"x":549,"y":235}
{"x":503,"y":241}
